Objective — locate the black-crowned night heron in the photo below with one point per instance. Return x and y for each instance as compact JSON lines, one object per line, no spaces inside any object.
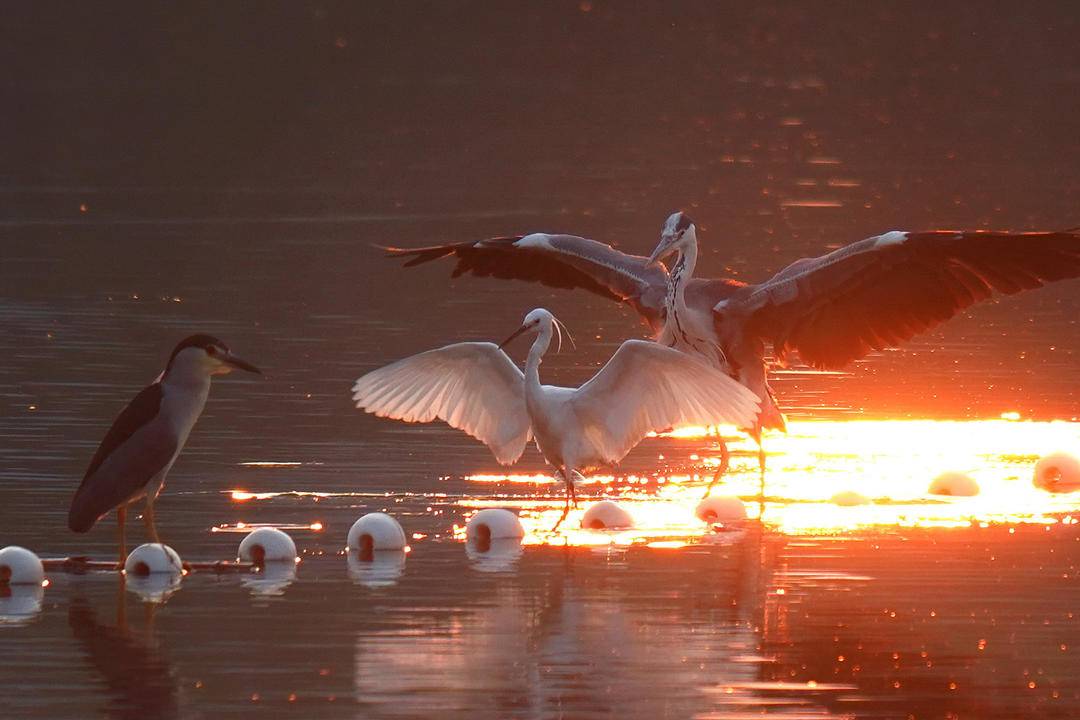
{"x":141,"y":446}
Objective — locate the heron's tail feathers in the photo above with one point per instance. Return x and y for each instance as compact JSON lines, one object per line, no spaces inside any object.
{"x":83,"y":515}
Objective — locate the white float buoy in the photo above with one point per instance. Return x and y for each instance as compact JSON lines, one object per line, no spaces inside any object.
{"x":722,"y":509}
{"x":494,"y":524}
{"x":267,"y":544}
{"x":956,"y":484}
{"x":1058,"y":472}
{"x":381,"y":569}
{"x":375,"y":531}
{"x":19,"y":566}
{"x":606,"y":515}
{"x":151,"y":559}
{"x":849,"y":498}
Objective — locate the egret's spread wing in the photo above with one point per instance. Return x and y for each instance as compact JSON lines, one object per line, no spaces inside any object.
{"x":137,"y":447}
{"x":472,"y":386}
{"x":879,"y":292}
{"x":646,"y":387}
{"x":562,"y":261}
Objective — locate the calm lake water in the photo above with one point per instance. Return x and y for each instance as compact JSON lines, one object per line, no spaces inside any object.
{"x":147,"y":197}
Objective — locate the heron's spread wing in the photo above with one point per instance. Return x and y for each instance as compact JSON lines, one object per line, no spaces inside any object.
{"x":562,"y":261}
{"x":472,"y":386}
{"x":136,"y":448}
{"x":879,"y":292}
{"x":707,"y":292}
{"x":646,"y":387}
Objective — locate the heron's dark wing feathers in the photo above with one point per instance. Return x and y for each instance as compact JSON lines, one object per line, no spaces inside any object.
{"x":561,"y":261}
{"x":880,"y":292}
{"x":707,"y":292}
{"x":142,"y":408}
{"x":118,"y":470}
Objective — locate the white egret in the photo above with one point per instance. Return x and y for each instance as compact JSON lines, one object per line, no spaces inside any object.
{"x":474,"y":386}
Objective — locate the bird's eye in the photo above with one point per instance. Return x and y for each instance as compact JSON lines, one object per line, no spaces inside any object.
{"x":211,"y":350}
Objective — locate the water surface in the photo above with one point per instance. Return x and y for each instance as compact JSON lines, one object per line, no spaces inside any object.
{"x":166,"y":173}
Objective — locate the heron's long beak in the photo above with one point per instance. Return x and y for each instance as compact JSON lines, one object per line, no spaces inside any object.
{"x":236,"y":362}
{"x":510,"y":339}
{"x":663,"y":249}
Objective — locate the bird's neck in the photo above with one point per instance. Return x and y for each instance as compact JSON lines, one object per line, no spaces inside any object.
{"x":536,"y":355}
{"x":187,"y":376}
{"x":680,"y":275}
{"x":184,"y":392}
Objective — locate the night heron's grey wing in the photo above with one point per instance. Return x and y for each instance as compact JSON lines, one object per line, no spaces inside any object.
{"x":881,"y":291}
{"x":138,"y":446}
{"x":562,"y":261}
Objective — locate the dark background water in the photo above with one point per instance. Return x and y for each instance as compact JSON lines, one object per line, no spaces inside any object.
{"x":226,"y":168}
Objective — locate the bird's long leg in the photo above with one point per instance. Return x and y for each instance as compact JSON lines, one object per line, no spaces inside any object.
{"x":121,"y":518}
{"x":725,"y":461}
{"x":757,"y":433}
{"x":761,"y":461}
{"x":574,"y":475}
{"x":570,"y":495}
{"x":148,"y":520}
{"x":121,"y":604}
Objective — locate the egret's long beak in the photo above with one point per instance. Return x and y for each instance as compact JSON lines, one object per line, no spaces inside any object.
{"x":663,"y":249}
{"x":236,"y":362}
{"x":510,"y":339}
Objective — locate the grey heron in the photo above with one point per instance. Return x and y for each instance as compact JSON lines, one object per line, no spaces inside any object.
{"x":145,"y":439}
{"x":475,"y":387}
{"x":832,"y":309}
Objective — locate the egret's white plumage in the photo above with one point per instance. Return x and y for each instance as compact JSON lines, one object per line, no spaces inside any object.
{"x":475,"y":387}
{"x":471,"y":386}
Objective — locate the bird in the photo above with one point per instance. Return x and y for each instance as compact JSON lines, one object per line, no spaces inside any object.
{"x":142,"y":444}
{"x":830,"y":310}
{"x":475,"y":387}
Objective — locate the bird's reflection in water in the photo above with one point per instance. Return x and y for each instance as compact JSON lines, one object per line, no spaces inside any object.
{"x":140,"y":680}
{"x":376,"y":568}
{"x":586,"y":632}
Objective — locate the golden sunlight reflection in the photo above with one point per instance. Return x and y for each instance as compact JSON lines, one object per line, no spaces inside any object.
{"x":814,"y":471}
{"x":245,"y":527}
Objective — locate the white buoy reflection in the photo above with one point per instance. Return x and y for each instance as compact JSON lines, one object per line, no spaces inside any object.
{"x":494,"y":555}
{"x":380,"y":568}
{"x":155,"y":587}
{"x":20,"y":604}
{"x":272,"y":579}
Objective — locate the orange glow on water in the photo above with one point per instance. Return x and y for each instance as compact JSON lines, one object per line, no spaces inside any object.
{"x":816,"y":475}
{"x":243,"y":527}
